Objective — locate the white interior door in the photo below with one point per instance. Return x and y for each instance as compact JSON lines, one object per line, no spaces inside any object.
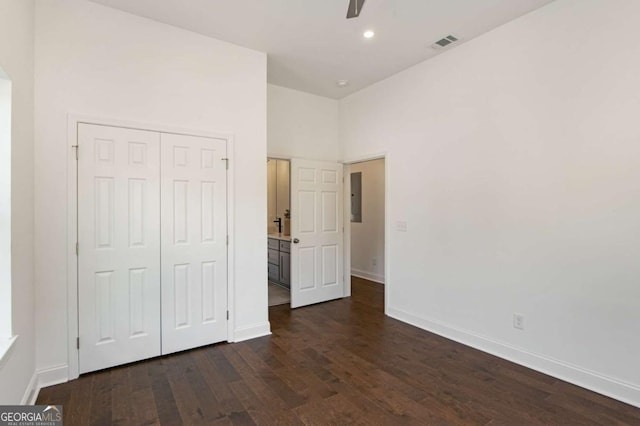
{"x":119,"y":246}
{"x":316,"y":231}
{"x":194,"y":242}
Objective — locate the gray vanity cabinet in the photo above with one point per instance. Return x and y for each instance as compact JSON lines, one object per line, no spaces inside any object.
{"x":279,"y":261}
{"x":285,"y":263}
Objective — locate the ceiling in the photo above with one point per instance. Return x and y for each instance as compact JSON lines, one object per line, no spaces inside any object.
{"x":311,"y":45}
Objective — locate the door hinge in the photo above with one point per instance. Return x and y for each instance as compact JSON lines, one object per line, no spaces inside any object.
{"x":227,"y":314}
{"x":77,"y":147}
{"x":226,"y":162}
{"x":227,"y":240}
{"x":77,"y":249}
{"x":77,"y":342}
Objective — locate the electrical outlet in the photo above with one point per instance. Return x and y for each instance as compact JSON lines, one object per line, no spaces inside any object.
{"x":374,"y":261}
{"x":518,"y":321}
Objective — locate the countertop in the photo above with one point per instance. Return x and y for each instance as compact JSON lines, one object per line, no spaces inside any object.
{"x":280,"y":237}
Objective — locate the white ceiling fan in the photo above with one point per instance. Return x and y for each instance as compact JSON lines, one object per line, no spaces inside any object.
{"x":355,"y":7}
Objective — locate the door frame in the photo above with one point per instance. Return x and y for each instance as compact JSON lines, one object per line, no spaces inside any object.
{"x":347,"y":223}
{"x":73,"y":120}
{"x":346,"y":264}
{"x":284,"y":158}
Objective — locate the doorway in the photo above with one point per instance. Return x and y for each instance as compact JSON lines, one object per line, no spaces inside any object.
{"x":279,"y":231}
{"x":310,"y":257}
{"x":365,"y":219}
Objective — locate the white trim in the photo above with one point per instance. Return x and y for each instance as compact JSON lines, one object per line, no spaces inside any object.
{"x":614,"y":388}
{"x":31,"y":392}
{"x":6,"y":347}
{"x":367,"y":275}
{"x":346,"y":225}
{"x":7,"y":137}
{"x":387,"y":232}
{"x":149,"y":126}
{"x":42,"y":379}
{"x":231,"y":287}
{"x":276,"y":156}
{"x":252,"y":331}
{"x":365,"y":158}
{"x":72,"y":369}
{"x":72,"y":237}
{"x":52,"y":376}
{"x":387,"y":222}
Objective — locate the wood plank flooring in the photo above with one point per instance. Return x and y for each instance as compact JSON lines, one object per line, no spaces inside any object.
{"x":341,"y":362}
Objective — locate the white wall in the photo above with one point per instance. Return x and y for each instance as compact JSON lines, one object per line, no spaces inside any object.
{"x":98,"y":61}
{"x":16,"y":59}
{"x":367,"y":237}
{"x":514,"y":158}
{"x":302,"y":125}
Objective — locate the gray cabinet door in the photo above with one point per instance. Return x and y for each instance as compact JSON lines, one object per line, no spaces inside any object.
{"x":285,"y":246}
{"x":273,"y":257}
{"x":274,"y":272}
{"x":273,"y":243}
{"x":285,"y":269}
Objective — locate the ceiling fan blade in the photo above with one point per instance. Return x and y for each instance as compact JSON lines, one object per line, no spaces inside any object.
{"x":355,"y":7}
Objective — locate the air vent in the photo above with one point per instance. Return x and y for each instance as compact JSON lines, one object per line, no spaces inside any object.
{"x":445,"y":42}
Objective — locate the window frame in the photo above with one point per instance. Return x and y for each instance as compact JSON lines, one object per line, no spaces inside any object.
{"x":6,"y":331}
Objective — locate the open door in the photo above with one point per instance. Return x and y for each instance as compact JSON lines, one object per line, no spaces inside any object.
{"x":316,"y":232}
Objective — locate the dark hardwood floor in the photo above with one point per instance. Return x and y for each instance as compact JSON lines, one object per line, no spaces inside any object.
{"x":341,"y":362}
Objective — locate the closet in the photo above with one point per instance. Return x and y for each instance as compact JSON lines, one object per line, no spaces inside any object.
{"x":152,"y":244}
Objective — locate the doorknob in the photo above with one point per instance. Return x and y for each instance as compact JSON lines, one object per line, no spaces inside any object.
{"x":296,"y":241}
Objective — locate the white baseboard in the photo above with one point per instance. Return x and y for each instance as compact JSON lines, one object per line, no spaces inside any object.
{"x":596,"y":382}
{"x":367,"y":275}
{"x":31,"y":393}
{"x":251,"y":332}
{"x":42,"y":379}
{"x":53,"y":376}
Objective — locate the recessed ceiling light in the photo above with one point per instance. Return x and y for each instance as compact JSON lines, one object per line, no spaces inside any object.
{"x":368,"y":34}
{"x":342,"y":83}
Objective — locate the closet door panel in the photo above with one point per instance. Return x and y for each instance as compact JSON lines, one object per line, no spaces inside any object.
{"x":119,"y":245}
{"x":194,"y":241}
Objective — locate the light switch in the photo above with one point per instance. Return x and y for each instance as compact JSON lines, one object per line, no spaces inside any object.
{"x":401,"y":226}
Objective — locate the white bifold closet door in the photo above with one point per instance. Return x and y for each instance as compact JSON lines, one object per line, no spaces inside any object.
{"x":152,"y":230}
{"x":194,"y":242}
{"x":119,"y":243}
